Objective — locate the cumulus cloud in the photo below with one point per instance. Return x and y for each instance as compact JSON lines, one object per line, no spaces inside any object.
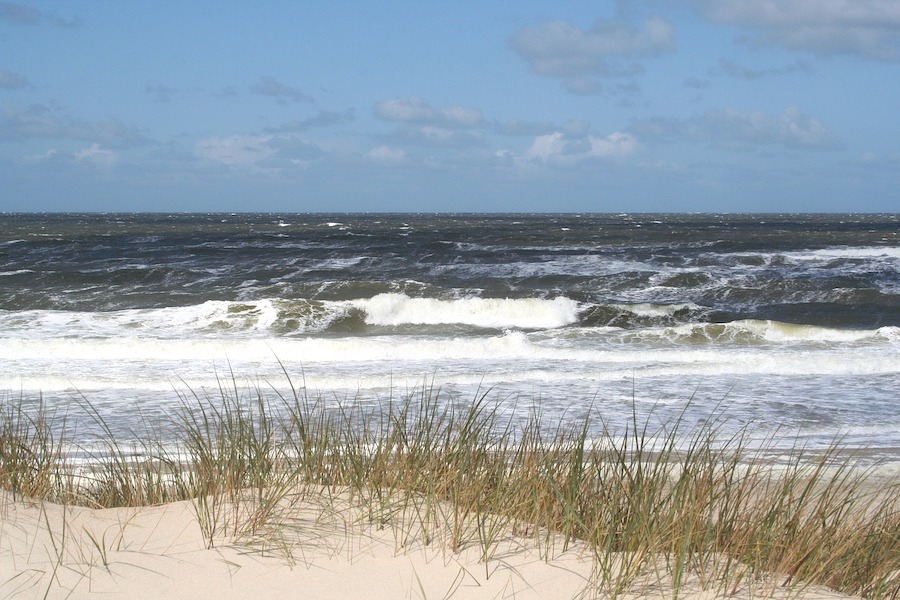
{"x":791,"y":129}
{"x":242,"y":152}
{"x":615,"y":144}
{"x":545,"y":146}
{"x":263,"y":154}
{"x":271,"y":87}
{"x":415,"y":110}
{"x":869,"y":28}
{"x":292,"y":150}
{"x":557,"y":147}
{"x":421,"y":124}
{"x":563,"y":50}
{"x":96,"y":155}
{"x":12,"y":81}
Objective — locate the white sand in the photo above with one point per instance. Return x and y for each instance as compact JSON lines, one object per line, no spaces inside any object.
{"x":50,"y":551}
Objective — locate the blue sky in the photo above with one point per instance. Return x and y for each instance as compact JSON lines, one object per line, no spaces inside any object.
{"x":635,"y":105}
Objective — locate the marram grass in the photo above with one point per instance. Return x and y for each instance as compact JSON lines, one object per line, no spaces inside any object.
{"x":671,"y":505}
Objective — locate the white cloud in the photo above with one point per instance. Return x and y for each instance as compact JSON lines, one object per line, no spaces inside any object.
{"x":545,"y":146}
{"x":615,"y":144}
{"x":417,"y":110}
{"x":387,"y":154}
{"x":243,"y":152}
{"x":95,"y":154}
{"x":38,"y":121}
{"x":791,"y":129}
{"x":869,"y":28}
{"x":560,"y":49}
{"x":421,"y":124}
{"x":50,"y":154}
{"x":437,"y":137}
{"x":557,"y":147}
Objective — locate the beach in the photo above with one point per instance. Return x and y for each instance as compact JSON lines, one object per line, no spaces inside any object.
{"x":426,"y":502}
{"x":50,"y":551}
{"x":160,"y":553}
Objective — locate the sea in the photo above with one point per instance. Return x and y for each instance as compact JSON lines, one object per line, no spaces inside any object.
{"x":777,"y":327}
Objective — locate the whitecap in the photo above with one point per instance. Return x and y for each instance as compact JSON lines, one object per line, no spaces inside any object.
{"x":497,"y":313}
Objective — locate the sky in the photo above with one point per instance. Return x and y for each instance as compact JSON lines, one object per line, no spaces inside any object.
{"x":501,"y":106}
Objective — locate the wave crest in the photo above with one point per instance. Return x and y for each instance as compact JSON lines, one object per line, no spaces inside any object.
{"x":489,"y":313}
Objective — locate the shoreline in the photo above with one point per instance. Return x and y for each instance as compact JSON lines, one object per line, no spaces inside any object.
{"x":443,"y":484}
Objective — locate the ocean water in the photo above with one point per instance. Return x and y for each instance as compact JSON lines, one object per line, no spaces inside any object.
{"x":786,"y":324}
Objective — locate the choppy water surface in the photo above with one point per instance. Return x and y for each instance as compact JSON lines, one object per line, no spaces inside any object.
{"x":789,"y":322}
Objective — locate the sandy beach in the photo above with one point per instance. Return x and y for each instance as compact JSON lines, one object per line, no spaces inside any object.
{"x":51,"y":551}
{"x":426,"y":502}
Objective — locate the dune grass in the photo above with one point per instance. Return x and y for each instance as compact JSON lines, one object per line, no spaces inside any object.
{"x":654,"y":506}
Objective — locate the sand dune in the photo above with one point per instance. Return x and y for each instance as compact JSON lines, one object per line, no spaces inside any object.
{"x":47,"y":550}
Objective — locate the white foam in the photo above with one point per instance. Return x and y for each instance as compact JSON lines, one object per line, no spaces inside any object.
{"x":597,"y":356}
{"x":646,"y":309}
{"x":775,"y":332}
{"x":524,"y":313}
{"x":333,"y":263}
{"x":210,"y":318}
{"x":851,"y":252}
{"x":549,"y":266}
{"x":891,"y":334}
